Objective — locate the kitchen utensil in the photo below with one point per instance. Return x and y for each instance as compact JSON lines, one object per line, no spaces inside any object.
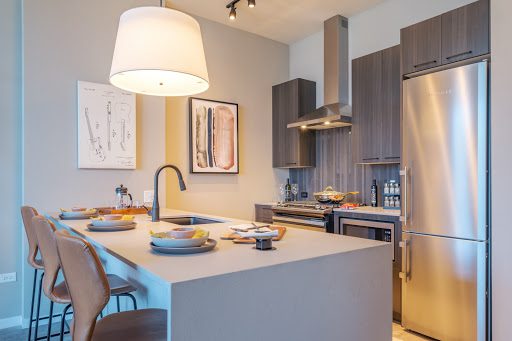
{"x":330,"y":195}
{"x":207,"y":246}
{"x":115,"y":228}
{"x":123,"y":198}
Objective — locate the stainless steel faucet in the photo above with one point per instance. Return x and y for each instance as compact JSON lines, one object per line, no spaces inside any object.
{"x":155,"y":211}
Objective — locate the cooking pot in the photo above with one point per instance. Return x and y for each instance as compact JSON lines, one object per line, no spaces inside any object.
{"x":330,"y":195}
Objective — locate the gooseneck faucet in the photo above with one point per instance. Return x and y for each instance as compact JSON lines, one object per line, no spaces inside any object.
{"x":155,"y":211}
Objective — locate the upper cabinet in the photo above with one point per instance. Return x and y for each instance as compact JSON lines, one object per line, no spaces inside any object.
{"x":421,"y":45}
{"x":292,"y":147}
{"x":456,"y":35}
{"x":376,"y":107}
{"x":466,"y":32}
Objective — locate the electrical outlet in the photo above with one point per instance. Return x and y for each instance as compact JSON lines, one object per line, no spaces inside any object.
{"x":8,"y":277}
{"x":148,"y":196}
{"x":304,"y":195}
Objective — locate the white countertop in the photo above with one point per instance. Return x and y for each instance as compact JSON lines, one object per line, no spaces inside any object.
{"x":371,"y":210}
{"x":132,"y":247}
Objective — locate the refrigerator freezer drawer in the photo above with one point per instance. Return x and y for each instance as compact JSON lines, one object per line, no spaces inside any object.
{"x":444,"y":287}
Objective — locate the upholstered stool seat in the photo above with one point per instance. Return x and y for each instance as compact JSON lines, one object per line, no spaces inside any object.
{"x":147,"y":324}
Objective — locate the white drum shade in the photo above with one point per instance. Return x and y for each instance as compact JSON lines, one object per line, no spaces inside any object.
{"x":159,"y":51}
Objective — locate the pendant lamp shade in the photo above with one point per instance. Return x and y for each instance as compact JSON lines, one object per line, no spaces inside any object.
{"x":159,"y":51}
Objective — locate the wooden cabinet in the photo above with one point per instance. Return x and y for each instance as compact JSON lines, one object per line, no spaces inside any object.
{"x":292,"y":147}
{"x":263,"y":213}
{"x":453,"y":36}
{"x":376,"y":107}
{"x":465,"y":32}
{"x":421,"y":45}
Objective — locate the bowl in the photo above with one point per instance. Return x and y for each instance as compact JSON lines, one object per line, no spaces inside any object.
{"x":182,"y":232}
{"x":78,"y":209}
{"x":112,"y":216}
{"x":166,"y":240}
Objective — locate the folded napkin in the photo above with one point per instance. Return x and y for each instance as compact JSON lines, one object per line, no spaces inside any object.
{"x":262,"y":232}
{"x":246,"y":227}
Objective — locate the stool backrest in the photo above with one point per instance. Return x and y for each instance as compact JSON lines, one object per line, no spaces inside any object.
{"x":27,"y":213}
{"x":47,"y":242}
{"x":86,"y":281}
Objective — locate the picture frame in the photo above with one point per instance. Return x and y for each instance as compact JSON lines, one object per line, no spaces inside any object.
{"x":213,"y":137}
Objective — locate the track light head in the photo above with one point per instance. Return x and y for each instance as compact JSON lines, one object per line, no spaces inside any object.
{"x":251,"y":3}
{"x":232,"y":13}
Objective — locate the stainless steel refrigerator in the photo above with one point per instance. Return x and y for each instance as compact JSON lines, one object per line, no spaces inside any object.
{"x":445,"y":203}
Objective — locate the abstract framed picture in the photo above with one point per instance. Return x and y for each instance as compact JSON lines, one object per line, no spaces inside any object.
{"x":213,"y":137}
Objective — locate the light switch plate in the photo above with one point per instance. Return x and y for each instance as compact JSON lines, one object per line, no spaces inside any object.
{"x":148,"y":196}
{"x":8,"y":277}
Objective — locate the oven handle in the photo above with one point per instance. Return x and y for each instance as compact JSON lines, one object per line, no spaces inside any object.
{"x":304,"y":222}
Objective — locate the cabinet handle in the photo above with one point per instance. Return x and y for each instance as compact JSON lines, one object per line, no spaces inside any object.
{"x":459,"y":54}
{"x":370,"y":158}
{"x":392,"y":157}
{"x":291,"y":163}
{"x":425,"y":64}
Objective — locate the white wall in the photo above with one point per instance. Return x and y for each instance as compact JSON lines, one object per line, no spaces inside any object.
{"x":372,"y":30}
{"x":66,"y":41}
{"x":10,"y":164}
{"x":501,"y":141}
{"x":242,"y":68}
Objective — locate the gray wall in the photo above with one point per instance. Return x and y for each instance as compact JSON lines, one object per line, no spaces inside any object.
{"x":242,"y":69}
{"x":501,"y":124}
{"x":66,"y":41}
{"x":10,"y":151}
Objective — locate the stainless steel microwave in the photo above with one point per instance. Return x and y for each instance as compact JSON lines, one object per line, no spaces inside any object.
{"x":368,"y":229}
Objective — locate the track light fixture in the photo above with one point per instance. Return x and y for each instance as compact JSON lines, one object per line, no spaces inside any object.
{"x":232,"y":7}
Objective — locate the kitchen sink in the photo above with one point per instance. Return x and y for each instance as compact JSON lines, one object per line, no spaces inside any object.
{"x":190,"y":220}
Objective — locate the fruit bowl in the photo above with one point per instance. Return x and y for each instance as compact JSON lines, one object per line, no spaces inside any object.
{"x":166,"y":239}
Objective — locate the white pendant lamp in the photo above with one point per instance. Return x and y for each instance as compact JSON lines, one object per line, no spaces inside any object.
{"x":159,"y":51}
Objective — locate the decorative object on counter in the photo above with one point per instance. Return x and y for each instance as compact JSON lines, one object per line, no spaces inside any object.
{"x":264,"y":244}
{"x":213,"y":137}
{"x":155,"y":210}
{"x":71,"y":214}
{"x":391,"y":195}
{"x":295,"y":191}
{"x":123,"y":198}
{"x":207,"y":246}
{"x":373,"y":193}
{"x":329,"y":195}
{"x":152,"y":59}
{"x":235,"y":236}
{"x":106,"y":127}
{"x":288,"y":191}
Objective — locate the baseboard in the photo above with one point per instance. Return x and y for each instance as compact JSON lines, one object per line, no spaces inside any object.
{"x":9,"y":322}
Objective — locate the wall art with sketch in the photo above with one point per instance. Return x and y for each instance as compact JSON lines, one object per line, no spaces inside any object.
{"x":213,"y":137}
{"x":106,"y":127}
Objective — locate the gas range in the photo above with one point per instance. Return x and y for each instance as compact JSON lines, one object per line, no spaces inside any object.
{"x":304,"y":208}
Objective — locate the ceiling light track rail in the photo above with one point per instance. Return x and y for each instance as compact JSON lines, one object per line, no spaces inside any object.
{"x":232,"y":7}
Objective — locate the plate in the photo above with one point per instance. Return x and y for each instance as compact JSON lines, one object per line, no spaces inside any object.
{"x":77,"y":216}
{"x":179,"y":243}
{"x":110,"y":228}
{"x":107,"y":223}
{"x":208,"y":246}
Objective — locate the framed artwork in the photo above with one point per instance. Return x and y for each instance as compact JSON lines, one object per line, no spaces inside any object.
{"x":106,"y":127}
{"x":213,"y":136}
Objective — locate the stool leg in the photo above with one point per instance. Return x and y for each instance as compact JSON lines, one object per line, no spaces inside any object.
{"x":118,"y":305}
{"x":38,"y":305}
{"x":49,"y":335}
{"x":133,"y":300}
{"x":64,"y":312}
{"x":32,"y":305}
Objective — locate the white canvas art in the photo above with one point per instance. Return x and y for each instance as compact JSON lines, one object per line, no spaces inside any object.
{"x":106,"y":127}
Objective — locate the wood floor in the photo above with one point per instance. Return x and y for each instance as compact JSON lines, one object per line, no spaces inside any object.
{"x":400,"y":334}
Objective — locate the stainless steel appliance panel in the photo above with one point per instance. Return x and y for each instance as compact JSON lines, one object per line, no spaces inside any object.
{"x":443,"y":287}
{"x":299,"y":222}
{"x":445,"y":153}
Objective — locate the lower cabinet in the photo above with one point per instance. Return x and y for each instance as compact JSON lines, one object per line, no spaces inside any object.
{"x":263,"y":213}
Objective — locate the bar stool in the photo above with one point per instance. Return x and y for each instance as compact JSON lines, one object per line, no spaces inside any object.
{"x":58,"y":293}
{"x":79,"y":260}
{"x":27,"y":213}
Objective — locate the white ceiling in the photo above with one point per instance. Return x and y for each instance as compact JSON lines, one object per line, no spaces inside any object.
{"x":286,"y":21}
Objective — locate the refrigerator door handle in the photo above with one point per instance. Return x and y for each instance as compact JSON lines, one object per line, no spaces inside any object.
{"x":404,"y":273}
{"x":403,"y":217}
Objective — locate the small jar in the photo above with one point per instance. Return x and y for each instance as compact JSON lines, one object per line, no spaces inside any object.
{"x":397,"y":188}
{"x":397,"y":202}
{"x":386,"y":202}
{"x":386,"y":188}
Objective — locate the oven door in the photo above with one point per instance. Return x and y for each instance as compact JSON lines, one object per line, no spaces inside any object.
{"x":305,"y":223}
{"x":368,"y":229}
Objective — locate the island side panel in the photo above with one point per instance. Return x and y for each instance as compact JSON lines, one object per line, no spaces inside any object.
{"x":346,"y":296}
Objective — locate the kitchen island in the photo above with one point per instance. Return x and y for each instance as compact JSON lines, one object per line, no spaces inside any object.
{"x":314,"y":286}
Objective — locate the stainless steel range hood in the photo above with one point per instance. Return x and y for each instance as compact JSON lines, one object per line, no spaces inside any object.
{"x":336,"y":113}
